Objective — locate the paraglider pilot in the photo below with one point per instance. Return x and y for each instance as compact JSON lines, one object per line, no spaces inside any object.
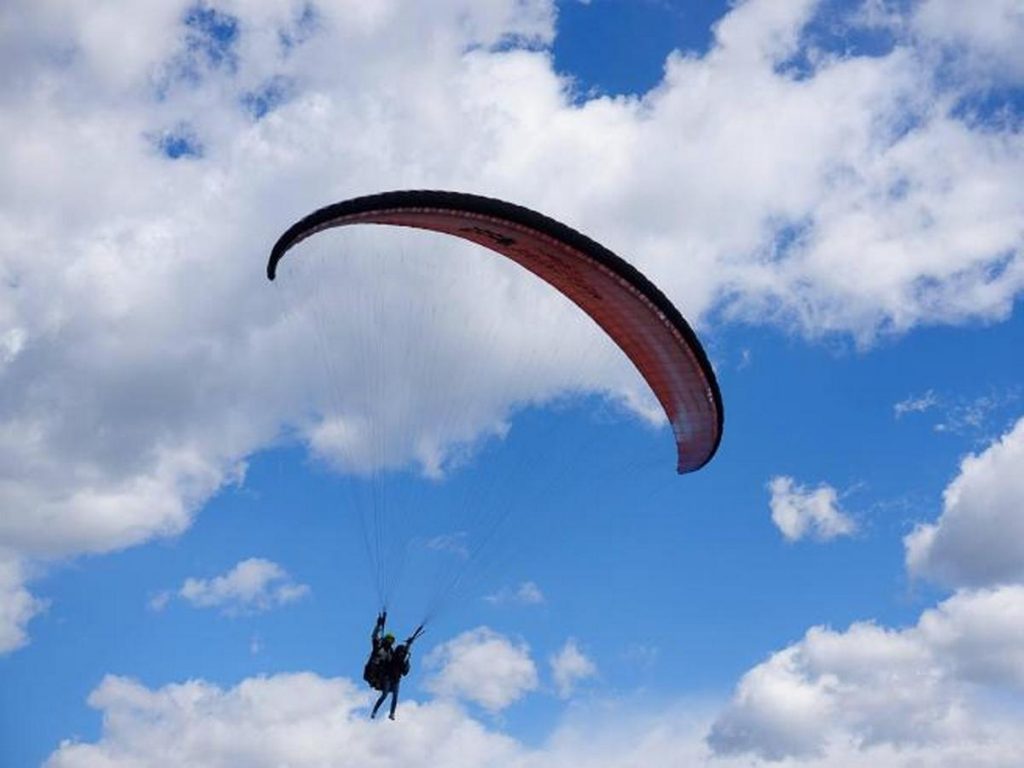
{"x":387,"y":664}
{"x":380,"y":651}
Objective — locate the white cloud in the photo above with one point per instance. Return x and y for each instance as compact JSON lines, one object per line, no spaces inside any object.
{"x":17,"y":606}
{"x":870,"y":686}
{"x":985,"y":38}
{"x":977,"y":634}
{"x":297,"y":720}
{"x":527,"y":593}
{"x":936,"y":686}
{"x":145,"y":357}
{"x":484,"y":667}
{"x":799,"y":512}
{"x":251,"y":586}
{"x":305,"y":721}
{"x":569,"y":667}
{"x":979,"y":537}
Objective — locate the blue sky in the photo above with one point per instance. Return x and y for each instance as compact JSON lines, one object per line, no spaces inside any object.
{"x":829,"y":191}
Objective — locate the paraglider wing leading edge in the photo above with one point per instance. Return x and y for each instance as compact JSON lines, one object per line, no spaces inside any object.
{"x":625,"y":304}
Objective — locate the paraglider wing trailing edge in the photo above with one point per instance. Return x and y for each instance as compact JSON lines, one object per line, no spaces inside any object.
{"x":625,"y":304}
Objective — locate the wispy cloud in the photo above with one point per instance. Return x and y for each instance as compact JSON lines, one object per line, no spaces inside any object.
{"x":452,"y":543}
{"x":160,"y":600}
{"x":746,"y":358}
{"x":527,"y":593}
{"x":975,"y":415}
{"x":916,"y":404}
{"x":959,"y":415}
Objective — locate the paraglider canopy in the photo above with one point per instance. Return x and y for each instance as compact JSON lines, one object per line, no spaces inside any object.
{"x":625,"y":304}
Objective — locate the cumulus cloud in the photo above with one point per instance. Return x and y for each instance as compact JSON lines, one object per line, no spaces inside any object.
{"x":298,"y":720}
{"x":569,"y":667}
{"x":143,"y":356}
{"x":527,"y":593}
{"x":935,"y":686}
{"x":799,"y":512}
{"x":251,"y":586}
{"x":979,"y":537}
{"x":871,"y":686}
{"x":483,"y":667}
{"x":306,"y":721}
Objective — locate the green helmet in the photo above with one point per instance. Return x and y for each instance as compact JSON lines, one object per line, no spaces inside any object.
{"x":389,"y":638}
